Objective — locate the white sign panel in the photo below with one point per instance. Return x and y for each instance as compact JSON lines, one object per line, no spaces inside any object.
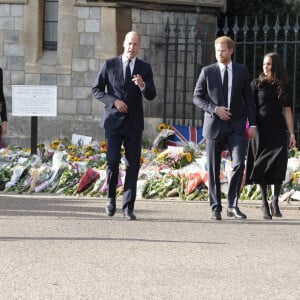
{"x":34,"y":100}
{"x":81,"y":140}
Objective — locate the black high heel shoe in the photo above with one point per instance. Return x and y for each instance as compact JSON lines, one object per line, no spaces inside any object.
{"x":275,"y":211}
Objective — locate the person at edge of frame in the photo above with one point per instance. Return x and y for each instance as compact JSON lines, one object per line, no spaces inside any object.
{"x":267,"y":155}
{"x":2,"y":110}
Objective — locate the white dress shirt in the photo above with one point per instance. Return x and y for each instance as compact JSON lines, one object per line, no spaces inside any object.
{"x":229,"y":70}
{"x":131,"y":65}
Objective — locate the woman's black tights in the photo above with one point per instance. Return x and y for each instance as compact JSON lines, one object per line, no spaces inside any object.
{"x":274,"y":204}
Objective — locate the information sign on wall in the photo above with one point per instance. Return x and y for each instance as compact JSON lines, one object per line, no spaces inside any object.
{"x":34,"y":100}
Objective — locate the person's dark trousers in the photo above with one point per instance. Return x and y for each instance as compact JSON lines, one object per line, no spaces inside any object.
{"x":214,"y":148}
{"x":236,"y":146}
{"x":131,"y":140}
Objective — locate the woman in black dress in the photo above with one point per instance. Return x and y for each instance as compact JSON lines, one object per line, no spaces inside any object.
{"x":2,"y":109}
{"x":268,"y":152}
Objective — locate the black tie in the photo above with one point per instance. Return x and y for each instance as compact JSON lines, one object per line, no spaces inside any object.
{"x":225,"y":86}
{"x":127,"y":75}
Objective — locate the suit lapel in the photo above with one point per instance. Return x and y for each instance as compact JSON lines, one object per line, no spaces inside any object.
{"x":118,"y":71}
{"x":136,"y":66}
{"x":219,"y":81}
{"x":234,"y":81}
{"x":219,"y":77}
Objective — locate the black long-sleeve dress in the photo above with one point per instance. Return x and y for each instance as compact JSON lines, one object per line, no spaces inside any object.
{"x":268,"y":152}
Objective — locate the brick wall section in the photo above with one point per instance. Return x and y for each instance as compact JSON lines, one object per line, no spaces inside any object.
{"x":82,"y":52}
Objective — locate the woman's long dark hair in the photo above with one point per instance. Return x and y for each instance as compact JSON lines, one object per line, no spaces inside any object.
{"x":278,"y":77}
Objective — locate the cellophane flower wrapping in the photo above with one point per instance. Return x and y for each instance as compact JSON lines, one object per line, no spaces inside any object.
{"x":87,"y":179}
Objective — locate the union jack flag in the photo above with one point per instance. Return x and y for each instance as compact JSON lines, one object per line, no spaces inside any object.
{"x":185,"y":135}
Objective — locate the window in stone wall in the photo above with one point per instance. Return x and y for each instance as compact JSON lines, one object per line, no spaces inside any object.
{"x":50,"y":24}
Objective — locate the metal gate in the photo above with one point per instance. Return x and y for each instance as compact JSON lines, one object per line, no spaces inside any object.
{"x":188,"y":47}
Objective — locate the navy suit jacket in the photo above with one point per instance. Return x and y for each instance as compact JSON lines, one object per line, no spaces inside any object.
{"x":209,"y":93}
{"x":110,"y":86}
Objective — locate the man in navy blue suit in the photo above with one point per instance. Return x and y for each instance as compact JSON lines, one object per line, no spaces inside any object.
{"x":223,"y":92}
{"x":122,"y":83}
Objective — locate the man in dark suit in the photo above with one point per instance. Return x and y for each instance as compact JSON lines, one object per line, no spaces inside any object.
{"x":223,"y":92}
{"x":122,"y":83}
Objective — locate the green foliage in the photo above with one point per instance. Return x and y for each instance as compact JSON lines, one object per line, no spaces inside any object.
{"x":146,"y":143}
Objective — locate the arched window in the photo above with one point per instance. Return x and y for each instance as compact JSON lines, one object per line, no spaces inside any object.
{"x":50,"y":24}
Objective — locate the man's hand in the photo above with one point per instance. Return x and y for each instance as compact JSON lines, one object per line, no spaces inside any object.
{"x":121,"y":106}
{"x":251,"y":132}
{"x":223,"y":113}
{"x":138,"y":80}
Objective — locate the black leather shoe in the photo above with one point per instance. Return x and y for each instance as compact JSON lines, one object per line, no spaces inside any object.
{"x":110,"y":207}
{"x":216,"y":215}
{"x":129,"y":215}
{"x":236,"y":213}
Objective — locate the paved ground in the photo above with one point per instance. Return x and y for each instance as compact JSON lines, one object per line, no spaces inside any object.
{"x":67,"y":248}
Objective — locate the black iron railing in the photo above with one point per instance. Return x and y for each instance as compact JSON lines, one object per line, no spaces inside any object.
{"x":189,"y":47}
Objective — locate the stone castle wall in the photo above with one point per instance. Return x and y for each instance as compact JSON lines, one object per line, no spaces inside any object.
{"x":88,"y":34}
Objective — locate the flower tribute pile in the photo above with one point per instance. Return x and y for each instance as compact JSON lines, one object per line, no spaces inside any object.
{"x":64,"y":168}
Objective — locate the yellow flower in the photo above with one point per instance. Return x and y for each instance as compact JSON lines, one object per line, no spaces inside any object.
{"x":87,"y":148}
{"x":295,"y":176}
{"x":89,"y":153}
{"x":161,"y":127}
{"x":161,"y":155}
{"x":188,"y":156}
{"x":70,"y":158}
{"x":103,"y":146}
{"x":55,"y":143}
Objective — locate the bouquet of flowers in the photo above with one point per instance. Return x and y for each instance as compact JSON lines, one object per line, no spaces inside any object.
{"x":89,"y":177}
{"x":164,"y":186}
{"x":174,"y":159}
{"x":68,"y":181}
{"x":5,"y":175}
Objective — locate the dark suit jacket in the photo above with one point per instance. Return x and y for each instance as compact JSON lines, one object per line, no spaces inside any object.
{"x":208,"y":94}
{"x":2,"y":99}
{"x":110,"y":86}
